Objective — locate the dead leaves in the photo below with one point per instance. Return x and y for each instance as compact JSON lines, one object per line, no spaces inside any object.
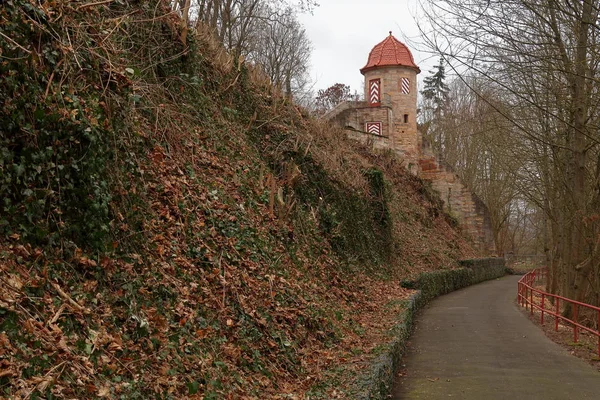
{"x":213,"y":292}
{"x":103,"y":339}
{"x":87,"y":262}
{"x":103,"y":391}
{"x":10,"y":290}
{"x":203,"y":333}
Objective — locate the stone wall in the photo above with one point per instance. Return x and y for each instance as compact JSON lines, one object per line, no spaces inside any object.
{"x":336,"y":114}
{"x":354,"y":115}
{"x":373,"y":141}
{"x":459,"y":201}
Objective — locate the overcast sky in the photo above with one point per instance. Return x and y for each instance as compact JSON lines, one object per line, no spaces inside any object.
{"x":343,"y":32}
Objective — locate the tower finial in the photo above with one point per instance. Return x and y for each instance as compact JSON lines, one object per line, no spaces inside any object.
{"x":390,"y":33}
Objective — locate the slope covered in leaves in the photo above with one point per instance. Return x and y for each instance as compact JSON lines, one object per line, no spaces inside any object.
{"x":171,"y":227}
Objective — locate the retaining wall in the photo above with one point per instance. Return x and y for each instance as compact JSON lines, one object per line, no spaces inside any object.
{"x":459,"y":200}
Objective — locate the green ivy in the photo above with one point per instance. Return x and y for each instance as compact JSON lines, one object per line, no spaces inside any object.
{"x":54,"y":142}
{"x":357,"y":225}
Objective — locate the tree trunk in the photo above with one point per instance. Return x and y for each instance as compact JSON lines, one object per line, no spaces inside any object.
{"x":578,"y":262}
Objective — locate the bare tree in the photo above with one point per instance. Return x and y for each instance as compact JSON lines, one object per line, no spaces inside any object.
{"x":470,"y":136}
{"x":543,"y":57}
{"x":266,"y":32}
{"x":283,"y":50}
{"x":328,"y":98}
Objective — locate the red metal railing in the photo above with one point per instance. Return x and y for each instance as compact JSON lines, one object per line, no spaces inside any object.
{"x":525,"y":297}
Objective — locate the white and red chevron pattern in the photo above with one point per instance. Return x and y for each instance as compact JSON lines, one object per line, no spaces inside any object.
{"x":405,"y":86}
{"x":375,"y":91}
{"x":373,"y":128}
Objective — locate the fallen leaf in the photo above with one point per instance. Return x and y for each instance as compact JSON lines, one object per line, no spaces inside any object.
{"x":104,"y":391}
{"x":202,"y":333}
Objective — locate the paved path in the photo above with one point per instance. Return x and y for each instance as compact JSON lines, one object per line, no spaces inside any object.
{"x":475,"y":344}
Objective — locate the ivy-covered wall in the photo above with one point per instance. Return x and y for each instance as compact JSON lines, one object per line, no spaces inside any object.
{"x":437,"y":283}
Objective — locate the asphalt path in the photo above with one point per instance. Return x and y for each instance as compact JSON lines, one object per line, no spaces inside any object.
{"x":475,"y":344}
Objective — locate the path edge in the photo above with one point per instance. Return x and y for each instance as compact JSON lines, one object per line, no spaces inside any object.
{"x":378,"y":381}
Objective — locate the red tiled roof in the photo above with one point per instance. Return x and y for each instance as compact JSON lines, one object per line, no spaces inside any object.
{"x":390,"y":52}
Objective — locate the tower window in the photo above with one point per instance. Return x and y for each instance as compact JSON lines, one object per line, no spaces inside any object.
{"x":406,"y":118}
{"x":374,"y":92}
{"x":405,"y":86}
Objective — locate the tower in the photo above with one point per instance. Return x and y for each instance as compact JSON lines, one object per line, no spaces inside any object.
{"x":391,"y":94}
{"x":387,"y":119}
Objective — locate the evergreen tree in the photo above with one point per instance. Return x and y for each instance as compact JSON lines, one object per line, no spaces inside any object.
{"x":435,"y":91}
{"x":434,"y":98}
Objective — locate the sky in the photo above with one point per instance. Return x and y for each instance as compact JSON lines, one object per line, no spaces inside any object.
{"x":343,"y":32}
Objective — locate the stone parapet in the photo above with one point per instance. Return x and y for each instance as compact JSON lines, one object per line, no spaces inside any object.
{"x":340,"y":108}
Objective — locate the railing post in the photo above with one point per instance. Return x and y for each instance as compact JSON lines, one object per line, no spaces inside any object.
{"x":531,"y":302}
{"x":556,"y":314}
{"x":575,"y":327}
{"x":525,"y":294}
{"x":542,"y":318}
{"x":521,"y":294}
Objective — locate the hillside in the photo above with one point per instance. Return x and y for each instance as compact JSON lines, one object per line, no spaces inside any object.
{"x":172,"y":227}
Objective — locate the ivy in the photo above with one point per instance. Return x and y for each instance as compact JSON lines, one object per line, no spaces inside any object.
{"x":54,"y":142}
